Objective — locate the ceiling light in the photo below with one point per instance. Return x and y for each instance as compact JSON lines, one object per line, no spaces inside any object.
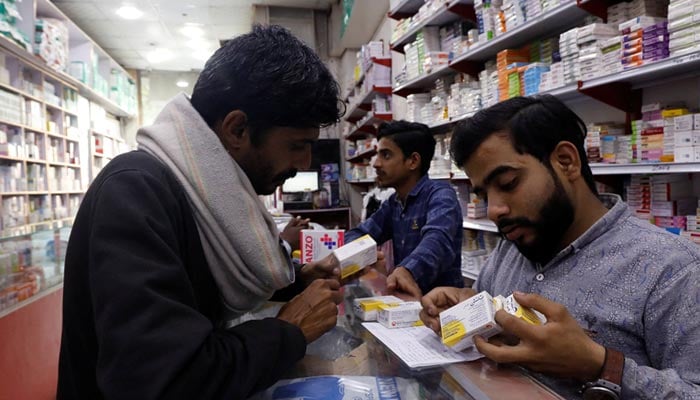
{"x":192,"y":30}
{"x":159,"y":55}
{"x":202,"y":54}
{"x":129,"y":12}
{"x":198,"y":44}
{"x":182,"y":83}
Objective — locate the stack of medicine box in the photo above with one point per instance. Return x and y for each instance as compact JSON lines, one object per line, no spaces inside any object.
{"x":684,"y":26}
{"x":644,"y":39}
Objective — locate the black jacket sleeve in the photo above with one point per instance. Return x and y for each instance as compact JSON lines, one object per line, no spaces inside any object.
{"x":287,"y":293}
{"x":153,"y":340}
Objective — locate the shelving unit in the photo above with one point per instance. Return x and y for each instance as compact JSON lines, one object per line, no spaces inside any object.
{"x":618,"y":89}
{"x":405,"y":9}
{"x":362,"y":156}
{"x":480,"y":225}
{"x":44,"y":169}
{"x":448,"y":12}
{"x":370,"y":106}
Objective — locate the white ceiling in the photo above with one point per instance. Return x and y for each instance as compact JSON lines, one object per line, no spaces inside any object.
{"x":155,"y":40}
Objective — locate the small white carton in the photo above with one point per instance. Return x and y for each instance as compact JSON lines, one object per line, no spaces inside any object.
{"x":318,"y":243}
{"x":474,"y":316}
{"x":356,"y":255}
{"x":366,"y":307}
{"x":512,"y":307}
{"x":402,"y":315}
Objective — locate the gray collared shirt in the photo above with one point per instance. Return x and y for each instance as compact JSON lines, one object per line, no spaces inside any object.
{"x":635,"y":286}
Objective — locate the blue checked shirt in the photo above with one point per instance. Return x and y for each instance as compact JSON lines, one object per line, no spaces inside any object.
{"x":426,"y":233}
{"x":635,"y":287}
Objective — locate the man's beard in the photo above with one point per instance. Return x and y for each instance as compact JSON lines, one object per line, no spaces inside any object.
{"x":555,"y":218}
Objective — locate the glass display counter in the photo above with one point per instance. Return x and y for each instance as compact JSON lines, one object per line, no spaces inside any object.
{"x":31,"y":264}
{"x":350,"y":363}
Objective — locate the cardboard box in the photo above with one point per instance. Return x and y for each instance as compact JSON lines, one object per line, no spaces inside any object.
{"x":366,"y":307}
{"x":317,"y":244}
{"x":356,"y":255}
{"x":474,"y":316}
{"x":402,"y":315}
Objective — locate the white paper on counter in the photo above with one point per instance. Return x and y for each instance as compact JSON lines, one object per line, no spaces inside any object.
{"x":419,"y":346}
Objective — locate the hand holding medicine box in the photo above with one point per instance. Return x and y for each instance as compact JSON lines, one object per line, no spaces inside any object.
{"x":476,"y":316}
{"x":366,"y":307}
{"x":317,"y":243}
{"x":402,"y":315}
{"x":356,"y":255}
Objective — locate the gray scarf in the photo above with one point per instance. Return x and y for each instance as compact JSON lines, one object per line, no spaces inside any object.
{"x":239,"y":237}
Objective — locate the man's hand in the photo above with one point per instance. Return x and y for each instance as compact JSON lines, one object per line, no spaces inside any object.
{"x":439,"y":300}
{"x":314,"y":311}
{"x":325,"y":268}
{"x":380,"y":265}
{"x":291,"y":232}
{"x":401,"y":280}
{"x":559,"y":348}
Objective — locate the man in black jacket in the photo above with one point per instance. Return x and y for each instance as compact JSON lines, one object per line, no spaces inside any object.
{"x":171,"y":241}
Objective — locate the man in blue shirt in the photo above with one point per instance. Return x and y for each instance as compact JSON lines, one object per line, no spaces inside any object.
{"x":620,"y":295}
{"x":423,"y":217}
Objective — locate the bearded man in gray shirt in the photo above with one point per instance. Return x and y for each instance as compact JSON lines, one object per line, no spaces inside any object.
{"x":620,"y":295}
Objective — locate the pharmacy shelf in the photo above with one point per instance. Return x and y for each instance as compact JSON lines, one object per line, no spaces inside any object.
{"x":67,"y":192}
{"x":677,"y":67}
{"x":362,"y":156}
{"x":555,"y":21}
{"x":439,"y":177}
{"x":35,"y":62}
{"x":101,"y":155}
{"x":365,"y":181}
{"x":64,"y":164}
{"x":423,"y":82}
{"x":52,"y":134}
{"x":362,"y":106}
{"x":115,"y":138}
{"x":442,"y":126}
{"x":479,"y":225}
{"x":451,"y":11}
{"x":369,"y":125}
{"x":656,"y":168}
{"x":18,"y":124}
{"x":11,"y":159}
{"x":460,"y":176}
{"x":385,"y":61}
{"x":20,"y":92}
{"x":550,"y":23}
{"x":405,"y":9}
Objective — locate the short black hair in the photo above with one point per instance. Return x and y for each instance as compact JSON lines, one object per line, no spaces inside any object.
{"x":535,"y":125}
{"x":273,"y":77}
{"x":411,"y":137}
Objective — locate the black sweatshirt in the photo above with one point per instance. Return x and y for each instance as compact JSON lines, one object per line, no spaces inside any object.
{"x":140,"y":306}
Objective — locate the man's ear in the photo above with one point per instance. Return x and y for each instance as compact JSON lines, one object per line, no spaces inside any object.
{"x":234,"y":131}
{"x":414,"y":161}
{"x":566,"y":160}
